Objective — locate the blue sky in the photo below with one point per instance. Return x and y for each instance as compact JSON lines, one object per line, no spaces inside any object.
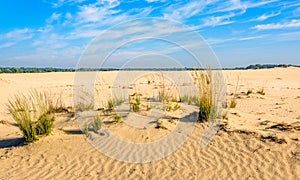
{"x":43,"y":33}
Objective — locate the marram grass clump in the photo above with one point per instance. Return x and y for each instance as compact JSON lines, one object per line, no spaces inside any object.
{"x":203,"y":83}
{"x":34,"y":114}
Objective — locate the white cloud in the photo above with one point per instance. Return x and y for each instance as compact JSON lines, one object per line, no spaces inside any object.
{"x":45,"y":29}
{"x":8,"y":44}
{"x":13,"y":37}
{"x":87,"y":33}
{"x":218,"y":20}
{"x":54,"y":17}
{"x":180,"y":11}
{"x":234,"y":5}
{"x":102,"y":10}
{"x":59,"y":3}
{"x":251,"y":38}
{"x":18,"y":35}
{"x":292,"y":24}
{"x":68,"y":15}
{"x":151,"y":1}
{"x":266,"y":16}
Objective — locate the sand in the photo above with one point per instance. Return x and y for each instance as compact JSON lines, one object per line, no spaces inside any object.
{"x":259,"y":139}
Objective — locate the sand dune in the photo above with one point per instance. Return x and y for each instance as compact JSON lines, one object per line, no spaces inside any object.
{"x":259,"y":139}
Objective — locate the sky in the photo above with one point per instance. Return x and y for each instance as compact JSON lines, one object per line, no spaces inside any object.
{"x":56,"y":33}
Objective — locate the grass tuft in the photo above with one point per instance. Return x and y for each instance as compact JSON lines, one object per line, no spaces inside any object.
{"x":261,"y":91}
{"x":33,"y":114}
{"x":97,"y":123}
{"x":135,"y":102}
{"x":202,"y":80}
{"x":233,"y":103}
{"x":249,"y":92}
{"x":117,"y":119}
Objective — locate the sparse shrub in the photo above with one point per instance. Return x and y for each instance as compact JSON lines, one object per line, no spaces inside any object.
{"x":249,"y":92}
{"x":84,"y":101}
{"x":84,"y":107}
{"x":110,"y":105}
{"x":33,"y":114}
{"x":85,"y":128}
{"x":261,"y":91}
{"x":190,"y":100}
{"x":135,"y":102}
{"x":2,"y":122}
{"x":97,"y":123}
{"x":233,"y":103}
{"x":172,"y":106}
{"x":118,"y":101}
{"x":117,"y":119}
{"x":176,"y":107}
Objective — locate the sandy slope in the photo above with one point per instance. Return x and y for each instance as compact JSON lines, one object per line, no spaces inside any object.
{"x":260,"y":140}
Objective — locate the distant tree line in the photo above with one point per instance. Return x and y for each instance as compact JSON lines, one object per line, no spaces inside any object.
{"x":267,"y":66}
{"x":50,"y":69}
{"x":32,"y":70}
{"x":263,"y":66}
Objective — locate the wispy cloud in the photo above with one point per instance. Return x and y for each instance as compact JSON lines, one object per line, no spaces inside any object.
{"x":291,"y":24}
{"x":19,"y":34}
{"x":8,"y":44}
{"x":218,"y":20}
{"x":214,"y":41}
{"x":15,"y":36}
{"x":54,"y":17}
{"x":233,"y":5}
{"x":182,"y":11}
{"x":98,"y":12}
{"x":291,"y":36}
{"x":59,"y":3}
{"x":251,"y":38}
{"x":151,"y":1}
{"x":264,"y":17}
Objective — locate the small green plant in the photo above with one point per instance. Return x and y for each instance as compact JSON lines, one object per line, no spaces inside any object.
{"x":80,"y":107}
{"x":110,"y":105}
{"x":97,"y":123}
{"x":135,"y":102}
{"x":261,"y":91}
{"x":190,"y":100}
{"x":172,"y":106}
{"x":117,"y":119}
{"x":85,"y":128}
{"x":118,"y":101}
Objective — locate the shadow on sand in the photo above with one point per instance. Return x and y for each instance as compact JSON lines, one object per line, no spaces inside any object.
{"x":8,"y":143}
